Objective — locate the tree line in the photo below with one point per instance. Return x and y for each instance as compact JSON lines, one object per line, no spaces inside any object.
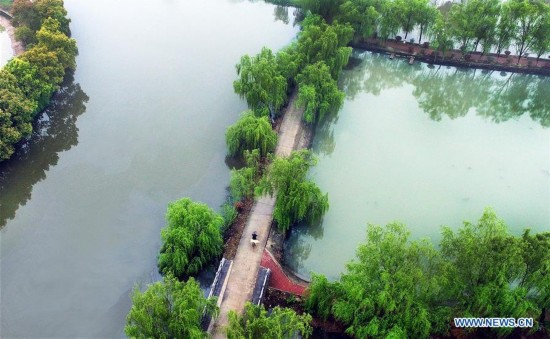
{"x":28,"y":82}
{"x":469,"y":25}
{"x":401,"y":288}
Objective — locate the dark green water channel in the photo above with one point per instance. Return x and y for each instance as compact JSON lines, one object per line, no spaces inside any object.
{"x":142,"y":124}
{"x":427,"y":146}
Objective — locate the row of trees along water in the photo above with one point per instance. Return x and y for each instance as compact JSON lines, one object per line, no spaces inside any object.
{"x":28,"y":82}
{"x":193,"y":236}
{"x":468,"y":25}
{"x":398,"y":288}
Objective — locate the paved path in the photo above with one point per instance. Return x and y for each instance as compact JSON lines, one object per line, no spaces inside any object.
{"x":246,"y":263}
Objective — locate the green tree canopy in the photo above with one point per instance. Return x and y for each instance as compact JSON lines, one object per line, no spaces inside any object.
{"x":278,"y":324}
{"x":49,"y":69}
{"x":390,"y":288}
{"x":528,"y":16}
{"x":505,"y":29}
{"x":191,"y":239}
{"x":486,"y":262}
{"x":327,"y":9}
{"x":409,"y":12}
{"x":426,"y":18}
{"x":249,"y":133}
{"x":409,"y":289}
{"x":27,"y":82}
{"x":54,"y":9}
{"x":390,"y":19}
{"x":541,"y":41}
{"x":298,"y":199}
{"x":168,"y":309}
{"x":319,"y":41}
{"x":362,"y":15}
{"x":244,"y":180}
{"x":261,"y":83}
{"x":318,"y":92}
{"x":289,"y":62}
{"x":51,"y":37}
{"x":535,"y":274}
{"x":441,"y":36}
{"x":32,"y":14}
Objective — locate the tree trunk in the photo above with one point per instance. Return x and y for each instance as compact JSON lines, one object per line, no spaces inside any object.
{"x":408,"y":28}
{"x":520,"y":51}
{"x":420,"y":38}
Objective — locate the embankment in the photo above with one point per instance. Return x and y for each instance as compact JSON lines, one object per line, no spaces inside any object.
{"x":455,"y":58}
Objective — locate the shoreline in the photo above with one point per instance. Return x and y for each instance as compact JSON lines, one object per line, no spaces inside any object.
{"x":455,"y":58}
{"x":16,"y":46}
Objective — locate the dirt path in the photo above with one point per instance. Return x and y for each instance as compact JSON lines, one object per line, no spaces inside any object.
{"x":16,"y":46}
{"x":246,"y":263}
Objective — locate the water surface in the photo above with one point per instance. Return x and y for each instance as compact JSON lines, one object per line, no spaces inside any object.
{"x":141,"y":124}
{"x":427,"y":146}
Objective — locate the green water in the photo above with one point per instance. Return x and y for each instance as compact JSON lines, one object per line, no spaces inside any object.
{"x":426,"y":147}
{"x":142,"y":124}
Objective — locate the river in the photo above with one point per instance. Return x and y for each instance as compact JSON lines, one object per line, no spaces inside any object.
{"x":141,"y":124}
{"x":426,"y":146}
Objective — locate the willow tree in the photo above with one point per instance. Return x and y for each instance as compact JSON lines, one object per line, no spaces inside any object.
{"x":319,"y":41}
{"x":279,"y":323}
{"x":298,"y":199}
{"x":191,"y":239}
{"x":261,"y":83}
{"x":249,"y":133}
{"x":487,"y":262}
{"x":244,"y":180}
{"x":389,"y":23}
{"x":388,"y":290}
{"x":327,"y":9}
{"x":168,"y":309}
{"x":318,"y":92}
{"x":363,"y":16}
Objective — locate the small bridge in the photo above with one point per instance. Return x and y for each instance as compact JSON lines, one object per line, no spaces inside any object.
{"x":6,"y":14}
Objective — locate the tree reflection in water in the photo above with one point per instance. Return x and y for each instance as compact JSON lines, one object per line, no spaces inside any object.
{"x":453,"y":92}
{"x":55,"y":131}
{"x":440,"y":92}
{"x":298,"y":250}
